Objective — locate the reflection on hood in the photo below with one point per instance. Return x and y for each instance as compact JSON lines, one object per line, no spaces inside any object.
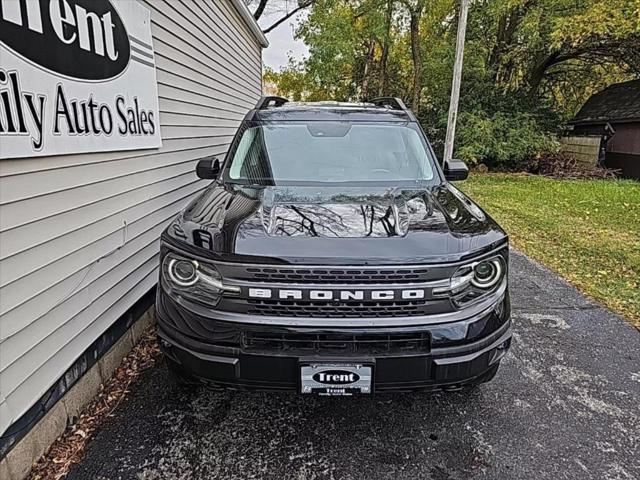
{"x":357,"y":212}
{"x":426,"y":221}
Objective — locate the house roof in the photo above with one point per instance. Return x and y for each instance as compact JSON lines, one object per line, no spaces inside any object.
{"x":619,"y":102}
{"x":242,"y":9}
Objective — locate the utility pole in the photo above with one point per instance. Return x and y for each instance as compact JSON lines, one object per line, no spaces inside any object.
{"x":457,"y":78}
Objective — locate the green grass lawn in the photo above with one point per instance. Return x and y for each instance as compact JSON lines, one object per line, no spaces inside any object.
{"x":588,"y":231}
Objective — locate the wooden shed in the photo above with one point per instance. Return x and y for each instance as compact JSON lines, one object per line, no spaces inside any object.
{"x":613,"y":115}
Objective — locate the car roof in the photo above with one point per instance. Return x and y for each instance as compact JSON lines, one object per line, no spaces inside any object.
{"x":327,"y":111}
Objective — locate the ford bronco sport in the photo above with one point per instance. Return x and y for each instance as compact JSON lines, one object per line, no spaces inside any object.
{"x":330,"y":255}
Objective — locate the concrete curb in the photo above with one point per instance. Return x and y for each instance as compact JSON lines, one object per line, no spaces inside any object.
{"x":18,"y":462}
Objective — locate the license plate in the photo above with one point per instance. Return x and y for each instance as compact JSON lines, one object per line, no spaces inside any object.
{"x":336,"y":379}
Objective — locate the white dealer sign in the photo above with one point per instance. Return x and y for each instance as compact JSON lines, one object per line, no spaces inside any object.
{"x":76,"y":76}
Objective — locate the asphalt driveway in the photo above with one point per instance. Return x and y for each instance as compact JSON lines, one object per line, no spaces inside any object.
{"x":565,"y":405}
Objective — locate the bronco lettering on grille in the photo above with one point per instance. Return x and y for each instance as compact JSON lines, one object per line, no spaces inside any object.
{"x":337,"y":295}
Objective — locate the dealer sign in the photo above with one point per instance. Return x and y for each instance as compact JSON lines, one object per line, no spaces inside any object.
{"x":76,"y":76}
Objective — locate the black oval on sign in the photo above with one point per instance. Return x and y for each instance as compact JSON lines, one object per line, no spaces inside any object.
{"x":83,"y":39}
{"x":336,"y":377}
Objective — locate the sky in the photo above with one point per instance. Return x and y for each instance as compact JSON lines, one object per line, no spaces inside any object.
{"x":281,"y":41}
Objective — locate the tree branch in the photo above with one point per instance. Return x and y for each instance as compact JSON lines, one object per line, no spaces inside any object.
{"x":261,"y":6}
{"x":301,"y":6}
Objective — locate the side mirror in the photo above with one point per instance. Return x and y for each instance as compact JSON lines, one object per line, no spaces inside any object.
{"x":456,"y":170}
{"x":208,"y":168}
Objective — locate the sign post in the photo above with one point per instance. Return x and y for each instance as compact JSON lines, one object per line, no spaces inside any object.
{"x":457,"y":79}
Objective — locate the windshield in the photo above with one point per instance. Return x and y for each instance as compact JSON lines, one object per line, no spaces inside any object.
{"x":330,"y":152}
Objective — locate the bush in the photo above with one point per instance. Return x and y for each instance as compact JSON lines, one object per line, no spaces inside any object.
{"x":502,"y":141}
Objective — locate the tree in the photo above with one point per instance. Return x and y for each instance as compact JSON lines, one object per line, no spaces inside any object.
{"x":384,"y":55}
{"x":529,"y":64}
{"x":537,"y":42}
{"x":415,"y":9}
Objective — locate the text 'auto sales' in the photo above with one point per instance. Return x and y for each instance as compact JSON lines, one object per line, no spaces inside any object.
{"x":24,"y":113}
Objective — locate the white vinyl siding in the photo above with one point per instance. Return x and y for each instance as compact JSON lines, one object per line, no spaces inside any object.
{"x":79,"y":233}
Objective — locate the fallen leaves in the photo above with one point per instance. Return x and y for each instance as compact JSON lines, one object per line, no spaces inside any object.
{"x":69,"y":448}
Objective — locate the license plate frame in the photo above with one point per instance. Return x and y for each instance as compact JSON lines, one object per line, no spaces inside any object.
{"x":336,"y":381}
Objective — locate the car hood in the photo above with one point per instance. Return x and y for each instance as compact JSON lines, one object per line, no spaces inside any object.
{"x":355,"y":225}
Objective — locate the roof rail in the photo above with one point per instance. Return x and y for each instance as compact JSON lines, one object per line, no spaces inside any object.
{"x":392,"y":102}
{"x":270,"y":101}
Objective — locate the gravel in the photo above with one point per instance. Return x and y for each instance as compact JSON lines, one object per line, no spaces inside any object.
{"x":564,"y":405}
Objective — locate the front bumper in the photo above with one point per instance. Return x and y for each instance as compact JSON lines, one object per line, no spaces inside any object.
{"x":217,"y":352}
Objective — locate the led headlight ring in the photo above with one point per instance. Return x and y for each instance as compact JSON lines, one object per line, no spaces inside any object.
{"x":487,"y":273}
{"x":183,"y":272}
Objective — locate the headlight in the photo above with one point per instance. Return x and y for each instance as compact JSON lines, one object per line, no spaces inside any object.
{"x":487,"y":273}
{"x":473,"y":281}
{"x":183,"y":273}
{"x":193,"y":280}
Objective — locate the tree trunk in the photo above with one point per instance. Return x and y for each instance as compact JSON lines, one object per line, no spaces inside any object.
{"x":496,"y":51}
{"x":505,"y":38}
{"x":417,"y":57}
{"x":538,"y":73}
{"x":367,"y":67}
{"x":384,"y":58}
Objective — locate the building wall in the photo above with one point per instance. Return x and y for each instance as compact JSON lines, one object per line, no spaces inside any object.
{"x":623,"y":148}
{"x":626,"y":140}
{"x":79,"y":233}
{"x":629,"y":165}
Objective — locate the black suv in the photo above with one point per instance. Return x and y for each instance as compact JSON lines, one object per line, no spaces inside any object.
{"x":331,"y":255}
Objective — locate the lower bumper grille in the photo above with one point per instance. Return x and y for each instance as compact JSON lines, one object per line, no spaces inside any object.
{"x":337,"y":343}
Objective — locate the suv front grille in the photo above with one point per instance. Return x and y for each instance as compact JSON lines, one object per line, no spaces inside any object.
{"x":333,"y":275}
{"x":332,"y":343}
{"x":283,"y":308}
{"x":346,"y":291}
